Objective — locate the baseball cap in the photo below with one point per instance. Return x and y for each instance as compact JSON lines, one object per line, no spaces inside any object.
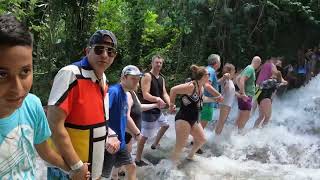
{"x":131,"y":70}
{"x":99,"y":38}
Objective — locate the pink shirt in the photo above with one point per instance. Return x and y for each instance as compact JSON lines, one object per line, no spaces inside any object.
{"x":265,"y":72}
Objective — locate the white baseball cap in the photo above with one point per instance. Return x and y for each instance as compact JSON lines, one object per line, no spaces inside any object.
{"x":131,"y":70}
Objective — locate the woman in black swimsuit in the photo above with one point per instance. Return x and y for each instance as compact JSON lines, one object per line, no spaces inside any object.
{"x":264,"y":97}
{"x":188,"y":115}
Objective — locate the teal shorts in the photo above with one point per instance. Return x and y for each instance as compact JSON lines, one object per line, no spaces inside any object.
{"x":54,"y":173}
{"x":206,"y":113}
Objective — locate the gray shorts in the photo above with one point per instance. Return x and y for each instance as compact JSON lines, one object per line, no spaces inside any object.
{"x":122,"y":157}
{"x":151,"y":123}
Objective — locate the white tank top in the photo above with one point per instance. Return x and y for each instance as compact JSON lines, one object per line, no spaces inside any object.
{"x":228,"y":93}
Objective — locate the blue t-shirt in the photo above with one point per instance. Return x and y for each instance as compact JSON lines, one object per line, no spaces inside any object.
{"x":19,"y":132}
{"x":118,"y":108}
{"x":214,"y":82}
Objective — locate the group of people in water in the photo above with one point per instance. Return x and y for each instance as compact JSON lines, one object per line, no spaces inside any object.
{"x":89,"y":127}
{"x":244,"y":87}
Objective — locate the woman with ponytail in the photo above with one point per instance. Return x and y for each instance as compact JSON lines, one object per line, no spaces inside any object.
{"x":186,"y":120}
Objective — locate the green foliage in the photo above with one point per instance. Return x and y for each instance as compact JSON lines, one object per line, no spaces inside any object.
{"x":184,"y":32}
{"x":19,"y":8}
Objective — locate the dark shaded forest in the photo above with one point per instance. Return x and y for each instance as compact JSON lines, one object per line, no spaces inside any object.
{"x":183,"y":31}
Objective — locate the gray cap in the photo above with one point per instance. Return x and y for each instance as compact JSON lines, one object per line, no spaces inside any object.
{"x":131,"y":70}
{"x":99,"y":38}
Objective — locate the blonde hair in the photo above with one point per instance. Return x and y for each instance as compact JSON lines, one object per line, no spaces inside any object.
{"x":197,"y":72}
{"x":278,"y":76}
{"x":157,"y":56}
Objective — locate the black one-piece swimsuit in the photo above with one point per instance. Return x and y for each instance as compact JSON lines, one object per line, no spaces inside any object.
{"x":190,"y":107}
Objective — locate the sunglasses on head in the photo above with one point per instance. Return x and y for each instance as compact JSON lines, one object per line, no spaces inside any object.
{"x":98,"y":50}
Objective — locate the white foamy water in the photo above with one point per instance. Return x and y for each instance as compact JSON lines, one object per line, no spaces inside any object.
{"x":287,"y":149}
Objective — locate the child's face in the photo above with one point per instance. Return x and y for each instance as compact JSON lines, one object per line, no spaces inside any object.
{"x":16,"y":76}
{"x":232,"y":73}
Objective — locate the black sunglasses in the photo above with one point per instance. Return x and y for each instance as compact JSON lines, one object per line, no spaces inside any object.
{"x":98,"y":50}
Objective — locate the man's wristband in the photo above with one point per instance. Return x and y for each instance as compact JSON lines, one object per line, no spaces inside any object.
{"x":77,"y":166}
{"x":113,"y":135}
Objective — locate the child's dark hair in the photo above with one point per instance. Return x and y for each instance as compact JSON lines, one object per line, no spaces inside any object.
{"x":197,"y":72}
{"x":13,"y":32}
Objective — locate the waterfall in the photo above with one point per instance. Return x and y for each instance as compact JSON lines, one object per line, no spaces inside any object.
{"x":288,"y":148}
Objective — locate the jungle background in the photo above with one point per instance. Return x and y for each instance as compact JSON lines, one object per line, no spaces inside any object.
{"x":185,"y":32}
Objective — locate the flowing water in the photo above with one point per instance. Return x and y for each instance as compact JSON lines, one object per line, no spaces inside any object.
{"x":287,"y":149}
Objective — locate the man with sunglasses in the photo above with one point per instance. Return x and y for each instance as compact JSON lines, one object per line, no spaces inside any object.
{"x":79,"y":109}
